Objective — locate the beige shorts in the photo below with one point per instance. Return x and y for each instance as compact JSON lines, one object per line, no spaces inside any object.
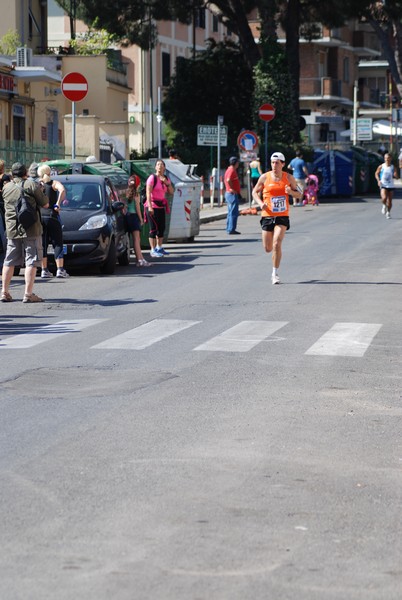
{"x":301,"y":183}
{"x":24,"y":251}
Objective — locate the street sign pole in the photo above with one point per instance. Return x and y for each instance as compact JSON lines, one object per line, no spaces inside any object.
{"x":220,"y":122}
{"x":73,"y":138}
{"x":266,"y":113}
{"x":74,"y":87}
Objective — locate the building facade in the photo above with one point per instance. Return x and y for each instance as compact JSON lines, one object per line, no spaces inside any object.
{"x":339,"y":74}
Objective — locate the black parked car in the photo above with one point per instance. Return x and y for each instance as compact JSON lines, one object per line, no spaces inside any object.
{"x":93,"y":223}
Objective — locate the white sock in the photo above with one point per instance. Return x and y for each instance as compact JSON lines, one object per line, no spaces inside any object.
{"x":274,"y":271}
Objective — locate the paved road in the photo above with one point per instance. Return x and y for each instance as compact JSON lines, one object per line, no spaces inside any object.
{"x":192,"y":432}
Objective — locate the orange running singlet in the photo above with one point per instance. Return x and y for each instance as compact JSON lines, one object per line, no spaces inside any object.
{"x":275,"y":197}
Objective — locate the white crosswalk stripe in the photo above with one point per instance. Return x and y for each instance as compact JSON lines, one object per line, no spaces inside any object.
{"x":145,"y":335}
{"x":47,"y":333}
{"x":345,"y":339}
{"x":342,"y":339}
{"x":242,"y":337}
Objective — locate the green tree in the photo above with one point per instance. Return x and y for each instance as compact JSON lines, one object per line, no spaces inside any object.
{"x":217,"y":82}
{"x":10,"y":42}
{"x":93,"y":41}
{"x":273,"y":85}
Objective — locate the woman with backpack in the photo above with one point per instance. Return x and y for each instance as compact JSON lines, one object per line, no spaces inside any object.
{"x":156,"y":207}
{"x":52,"y":230}
{"x":134,"y":219}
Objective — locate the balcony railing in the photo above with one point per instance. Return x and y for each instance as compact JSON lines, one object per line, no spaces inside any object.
{"x":320,"y":87}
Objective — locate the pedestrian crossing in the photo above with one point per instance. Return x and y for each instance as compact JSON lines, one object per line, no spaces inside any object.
{"x":341,"y":339}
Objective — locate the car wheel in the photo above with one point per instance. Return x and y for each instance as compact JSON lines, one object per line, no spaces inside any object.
{"x":109,"y":265}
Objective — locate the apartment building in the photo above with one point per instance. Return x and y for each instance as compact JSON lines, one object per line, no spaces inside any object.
{"x":331,"y":67}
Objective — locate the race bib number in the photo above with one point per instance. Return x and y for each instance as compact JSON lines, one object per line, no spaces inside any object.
{"x":278,"y":204}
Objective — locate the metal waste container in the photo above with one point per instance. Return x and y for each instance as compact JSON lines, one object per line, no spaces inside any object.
{"x":183,"y":223}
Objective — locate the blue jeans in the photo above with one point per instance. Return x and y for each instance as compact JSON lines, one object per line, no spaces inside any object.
{"x":232,"y":200}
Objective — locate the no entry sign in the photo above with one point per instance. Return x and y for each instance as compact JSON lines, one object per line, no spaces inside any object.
{"x":266,"y":112}
{"x":74,"y":87}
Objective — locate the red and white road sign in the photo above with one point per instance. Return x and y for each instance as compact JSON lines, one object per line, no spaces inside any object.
{"x":266,"y":112}
{"x":74,"y":86}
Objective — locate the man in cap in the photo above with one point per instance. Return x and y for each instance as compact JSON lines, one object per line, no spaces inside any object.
{"x":232,"y":195}
{"x":275,"y":187}
{"x":23,"y":247}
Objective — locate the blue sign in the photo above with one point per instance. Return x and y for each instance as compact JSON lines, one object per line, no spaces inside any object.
{"x":247,"y":140}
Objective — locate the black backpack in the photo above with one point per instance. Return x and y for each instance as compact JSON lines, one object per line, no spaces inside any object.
{"x":27,"y":215}
{"x":143,"y":192}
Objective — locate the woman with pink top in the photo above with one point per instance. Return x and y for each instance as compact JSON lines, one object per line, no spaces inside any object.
{"x":156,"y":207}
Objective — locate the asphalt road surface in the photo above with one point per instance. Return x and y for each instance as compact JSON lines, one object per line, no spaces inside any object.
{"x":192,"y":432}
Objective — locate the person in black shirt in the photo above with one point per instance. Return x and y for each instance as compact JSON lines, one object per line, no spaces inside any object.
{"x":52,"y":231}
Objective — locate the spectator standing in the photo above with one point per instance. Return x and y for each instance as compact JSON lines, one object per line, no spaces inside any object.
{"x":52,"y":229}
{"x":134,"y":219}
{"x":22,"y":246}
{"x":385,"y":174}
{"x":255,"y":171}
{"x":275,"y":187}
{"x":300,"y":172}
{"x":400,"y":163}
{"x":33,"y":172}
{"x":232,"y":195}
{"x":157,"y":205}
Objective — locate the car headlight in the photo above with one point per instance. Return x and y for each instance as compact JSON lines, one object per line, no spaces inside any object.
{"x":95,"y":222}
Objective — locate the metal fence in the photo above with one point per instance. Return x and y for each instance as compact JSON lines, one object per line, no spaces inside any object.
{"x":12,"y":152}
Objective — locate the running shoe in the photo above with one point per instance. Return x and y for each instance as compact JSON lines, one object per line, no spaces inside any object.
{"x":46,"y":274}
{"x":156,"y":253}
{"x":163,"y":251}
{"x":62,"y":274}
{"x":384,"y":209}
{"x":275,"y":280}
{"x":388,"y":215}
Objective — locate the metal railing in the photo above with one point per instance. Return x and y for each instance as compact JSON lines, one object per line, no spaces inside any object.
{"x":12,"y":152}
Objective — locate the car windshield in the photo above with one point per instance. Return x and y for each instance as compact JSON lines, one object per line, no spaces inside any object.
{"x":82,"y":196}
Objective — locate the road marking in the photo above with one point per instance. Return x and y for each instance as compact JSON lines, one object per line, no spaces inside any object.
{"x":145,"y":335}
{"x":47,"y":333}
{"x":345,"y":339}
{"x":242,"y":337}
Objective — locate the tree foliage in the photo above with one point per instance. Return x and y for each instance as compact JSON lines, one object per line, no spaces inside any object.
{"x":217,"y":82}
{"x":93,"y":41}
{"x":10,"y":42}
{"x":273,"y":86}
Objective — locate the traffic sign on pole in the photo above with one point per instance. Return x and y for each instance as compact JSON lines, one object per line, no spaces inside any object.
{"x":74,"y":87}
{"x":247,"y":140}
{"x":266,"y":112}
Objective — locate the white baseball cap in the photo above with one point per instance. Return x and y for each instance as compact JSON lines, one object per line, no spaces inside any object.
{"x":278,"y":156}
